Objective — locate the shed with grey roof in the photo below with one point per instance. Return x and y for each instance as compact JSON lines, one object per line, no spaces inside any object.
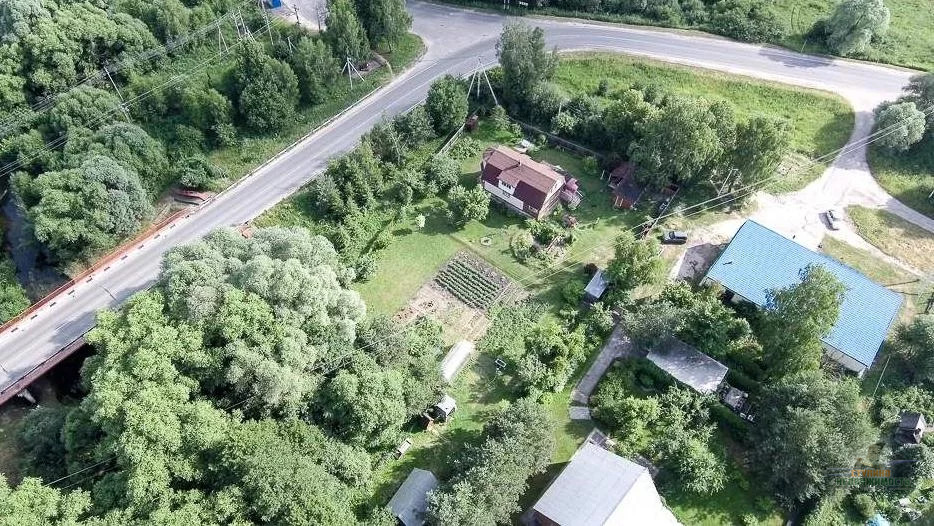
{"x":410,"y":502}
{"x":596,"y":286}
{"x":688,"y":365}
{"x":599,"y":488}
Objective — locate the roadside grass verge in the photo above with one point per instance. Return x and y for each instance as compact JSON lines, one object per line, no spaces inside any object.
{"x":909,"y":41}
{"x":908,"y":176}
{"x":13,"y":298}
{"x":896,"y":237}
{"x":820,"y":122}
{"x":251,"y":151}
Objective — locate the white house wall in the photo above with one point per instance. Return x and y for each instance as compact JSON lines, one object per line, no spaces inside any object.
{"x":503,"y":195}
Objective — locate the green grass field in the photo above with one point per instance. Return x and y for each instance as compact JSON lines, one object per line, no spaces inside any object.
{"x":909,"y":42}
{"x":821,"y":122}
{"x":907,"y":176}
{"x":895,"y":236}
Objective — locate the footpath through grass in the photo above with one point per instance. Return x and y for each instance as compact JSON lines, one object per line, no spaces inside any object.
{"x":820,"y":122}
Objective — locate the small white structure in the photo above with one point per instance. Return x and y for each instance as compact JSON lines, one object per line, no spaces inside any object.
{"x":443,"y":410}
{"x":410,"y":502}
{"x":455,"y":359}
{"x":599,"y":488}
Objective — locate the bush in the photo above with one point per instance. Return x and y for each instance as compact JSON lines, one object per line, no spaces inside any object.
{"x":465,"y":148}
{"x":366,"y":266}
{"x":864,"y":505}
{"x":521,"y":246}
{"x":730,"y":422}
{"x":749,"y":20}
{"x":737,"y":379}
{"x":544,"y":231}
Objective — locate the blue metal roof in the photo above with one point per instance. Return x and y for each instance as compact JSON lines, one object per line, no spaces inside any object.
{"x":759,"y":259}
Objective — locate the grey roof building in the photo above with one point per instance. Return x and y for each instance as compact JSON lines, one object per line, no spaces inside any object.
{"x":596,"y":286}
{"x":599,"y":488}
{"x":689,"y":366}
{"x":410,"y":502}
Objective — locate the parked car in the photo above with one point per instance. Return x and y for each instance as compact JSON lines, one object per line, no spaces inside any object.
{"x":834,"y":217}
{"x":675,"y":237}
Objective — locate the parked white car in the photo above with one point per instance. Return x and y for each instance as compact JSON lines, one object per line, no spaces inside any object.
{"x":834,"y":217}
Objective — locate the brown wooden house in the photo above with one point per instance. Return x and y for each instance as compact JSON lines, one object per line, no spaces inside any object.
{"x":626,"y":191}
{"x":520,"y":182}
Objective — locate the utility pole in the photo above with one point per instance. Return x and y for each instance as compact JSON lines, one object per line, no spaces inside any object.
{"x":289,"y":40}
{"x":122,"y":101}
{"x":297,"y":19}
{"x":221,"y":41}
{"x":351,"y":69}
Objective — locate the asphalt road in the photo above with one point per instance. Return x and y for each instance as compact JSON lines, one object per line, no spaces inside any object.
{"x":457,"y":40}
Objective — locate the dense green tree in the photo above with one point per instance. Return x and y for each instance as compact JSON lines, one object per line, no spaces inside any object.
{"x":914,"y":345}
{"x":903,"y":124}
{"x":167,"y":19}
{"x":129,"y":145}
{"x":516,"y":443}
{"x":33,"y":504}
{"x":315,"y":67}
{"x":443,"y":170}
{"x":551,"y":356}
{"x":271,"y":309}
{"x":40,"y":440}
{"x":386,"y":21}
{"x":525,"y":60}
{"x":630,"y":418}
{"x":78,"y":212}
{"x":808,"y":425}
{"x":446,"y":104}
{"x":12,"y":94}
{"x":914,"y":464}
{"x":345,"y":34}
{"x":415,"y":127}
{"x":855,"y":24}
{"x":13,"y":298}
{"x":797,"y":317}
{"x":622,"y":118}
{"x":364,"y":403}
{"x":749,"y":20}
{"x":82,"y":107}
{"x":635,"y":262}
{"x":197,"y":172}
{"x":207,"y":110}
{"x":268,"y":89}
{"x":467,"y":205}
{"x":677,"y":142}
{"x":761,"y":144}
{"x":920,"y":90}
{"x":56,"y":51}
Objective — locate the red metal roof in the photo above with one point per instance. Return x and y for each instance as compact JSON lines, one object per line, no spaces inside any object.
{"x":532,"y":180}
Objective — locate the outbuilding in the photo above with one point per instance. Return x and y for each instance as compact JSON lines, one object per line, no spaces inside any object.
{"x":599,"y":488}
{"x":596,"y":287}
{"x":689,"y":366}
{"x":911,"y":428}
{"x":410,"y":501}
{"x":626,"y":191}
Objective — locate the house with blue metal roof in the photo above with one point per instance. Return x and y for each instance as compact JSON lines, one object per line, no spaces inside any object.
{"x":758,"y":260}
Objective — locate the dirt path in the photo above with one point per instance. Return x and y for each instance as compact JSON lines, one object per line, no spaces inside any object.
{"x":617,"y":346}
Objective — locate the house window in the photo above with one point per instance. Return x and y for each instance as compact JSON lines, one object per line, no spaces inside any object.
{"x":506,"y":188}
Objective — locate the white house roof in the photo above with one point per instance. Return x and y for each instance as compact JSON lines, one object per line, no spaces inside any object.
{"x":597,"y":285}
{"x":599,"y":488}
{"x":411,"y":499}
